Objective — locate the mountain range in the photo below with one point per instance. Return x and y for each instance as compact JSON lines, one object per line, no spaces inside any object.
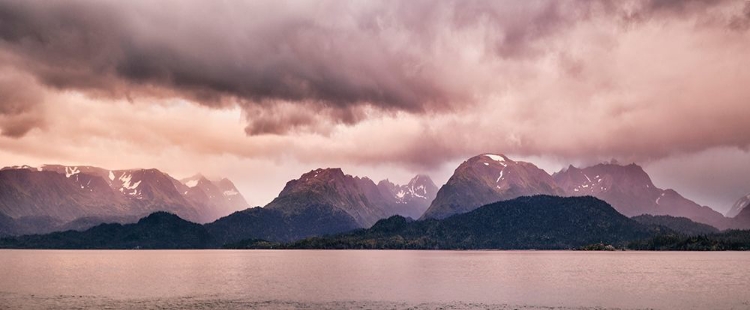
{"x":489,"y":178}
{"x":539,"y":222}
{"x":55,"y":197}
{"x":325,"y":201}
{"x":322,"y":201}
{"x":631,"y":192}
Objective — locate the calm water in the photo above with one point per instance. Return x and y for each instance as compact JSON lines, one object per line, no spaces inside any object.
{"x":373,"y":279}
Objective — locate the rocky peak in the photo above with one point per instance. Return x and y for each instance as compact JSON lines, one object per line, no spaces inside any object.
{"x":602,"y":178}
{"x":333,"y":191}
{"x":488,"y":178}
{"x":319,"y":180}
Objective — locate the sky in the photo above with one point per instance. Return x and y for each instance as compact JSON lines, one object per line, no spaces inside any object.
{"x":263,"y":91}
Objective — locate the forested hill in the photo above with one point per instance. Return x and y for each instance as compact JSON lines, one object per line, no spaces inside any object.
{"x":160,"y":230}
{"x":538,"y":222}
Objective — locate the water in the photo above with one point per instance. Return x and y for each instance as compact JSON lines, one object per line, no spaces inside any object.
{"x":373,"y":279}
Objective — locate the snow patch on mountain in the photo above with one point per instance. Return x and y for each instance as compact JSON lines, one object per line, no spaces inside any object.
{"x":129,"y":188}
{"x":71,"y":171}
{"x":659,"y":198}
{"x":496,"y":158}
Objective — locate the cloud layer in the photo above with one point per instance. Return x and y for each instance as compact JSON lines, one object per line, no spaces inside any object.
{"x":416,"y":85}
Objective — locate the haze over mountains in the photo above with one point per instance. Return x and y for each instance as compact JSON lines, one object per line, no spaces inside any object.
{"x":321,"y":201}
{"x":739,"y":206}
{"x":742,"y":218}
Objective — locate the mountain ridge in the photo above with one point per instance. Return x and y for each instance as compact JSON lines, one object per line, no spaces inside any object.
{"x":630,"y":191}
{"x":488,"y":178}
{"x":79,"y":196}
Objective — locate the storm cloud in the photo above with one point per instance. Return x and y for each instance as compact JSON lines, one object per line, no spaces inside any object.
{"x":416,"y":85}
{"x":413,"y":56}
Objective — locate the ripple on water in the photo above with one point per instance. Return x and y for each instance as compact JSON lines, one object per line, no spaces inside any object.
{"x":18,"y":301}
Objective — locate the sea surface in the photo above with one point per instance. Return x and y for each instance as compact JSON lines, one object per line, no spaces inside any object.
{"x":306,"y":279}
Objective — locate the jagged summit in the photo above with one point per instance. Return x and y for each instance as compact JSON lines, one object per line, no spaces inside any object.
{"x":331,"y":190}
{"x":194,"y":180}
{"x":488,"y":178}
{"x":415,"y":196}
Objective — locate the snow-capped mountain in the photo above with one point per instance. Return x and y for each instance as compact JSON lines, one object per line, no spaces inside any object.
{"x":630,"y":191}
{"x":324,"y":201}
{"x":220,"y":198}
{"x":61,"y":194}
{"x":413,"y":198}
{"x":330,"y":191}
{"x":488,"y":178}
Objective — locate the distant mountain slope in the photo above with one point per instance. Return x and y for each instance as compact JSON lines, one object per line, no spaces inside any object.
{"x":539,"y":222}
{"x":235,"y":200}
{"x":739,"y":205}
{"x":741,"y":220}
{"x":486,"y":179}
{"x":159,"y":230}
{"x":25,"y":192}
{"x":629,"y":190}
{"x":45,"y":199}
{"x":681,"y":225}
{"x":217,"y":198}
{"x":6,"y":225}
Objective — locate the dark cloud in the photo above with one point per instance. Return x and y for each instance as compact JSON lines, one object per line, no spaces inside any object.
{"x":311,"y":66}
{"x":208,"y":52}
{"x":338,"y":55}
{"x":20,"y":102}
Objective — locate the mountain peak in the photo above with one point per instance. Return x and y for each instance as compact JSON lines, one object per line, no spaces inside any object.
{"x":330,"y":190}
{"x":488,"y":178}
{"x":629,"y":189}
{"x":323,"y":174}
{"x":420,"y":179}
{"x":24,"y":167}
{"x":496,"y":157}
{"x":414,"y":197}
{"x":194,"y":180}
